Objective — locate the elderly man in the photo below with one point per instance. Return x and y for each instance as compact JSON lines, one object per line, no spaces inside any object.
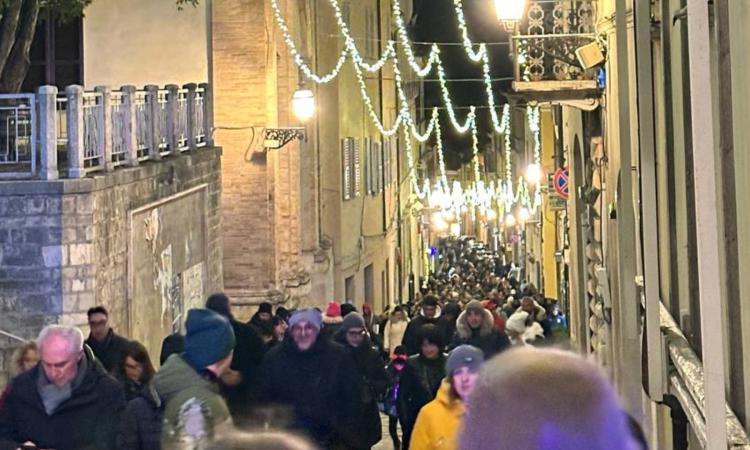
{"x":529,"y":399}
{"x":66,"y":402}
{"x":316,"y":380}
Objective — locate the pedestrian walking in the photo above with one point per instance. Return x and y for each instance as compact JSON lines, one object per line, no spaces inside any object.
{"x":476,"y":327}
{"x":188,"y":384}
{"x":354,"y":335}
{"x":421,"y":379}
{"x":135,"y":370}
{"x":395,"y":329}
{"x":439,"y":421}
{"x":24,"y":359}
{"x":429,"y":313}
{"x":315,"y":380}
{"x":332,"y":320}
{"x":390,"y":404}
{"x":66,"y":402}
{"x":107,"y":346}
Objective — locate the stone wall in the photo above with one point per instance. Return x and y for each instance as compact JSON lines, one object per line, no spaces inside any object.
{"x":65,"y":244}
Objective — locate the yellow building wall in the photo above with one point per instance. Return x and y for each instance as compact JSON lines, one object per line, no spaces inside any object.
{"x":143,"y":42}
{"x":549,"y":217}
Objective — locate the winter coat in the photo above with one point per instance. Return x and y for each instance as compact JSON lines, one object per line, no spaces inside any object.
{"x":86,"y":421}
{"x":320,"y":386}
{"x":438,"y":422}
{"x":420,"y":382}
{"x":189,"y":397}
{"x":331,"y":326}
{"x":140,"y":423}
{"x":487,"y":338}
{"x":411,"y":339}
{"x":248,"y":353}
{"x":110,"y":351}
{"x":394,"y":334}
{"x":395,"y":369}
{"x":373,"y":383}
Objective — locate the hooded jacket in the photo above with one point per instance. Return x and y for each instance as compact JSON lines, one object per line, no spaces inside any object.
{"x":487,"y":338}
{"x":411,"y":335}
{"x":438,"y":422}
{"x":193,"y":409}
{"x":420,"y":382}
{"x":86,"y":421}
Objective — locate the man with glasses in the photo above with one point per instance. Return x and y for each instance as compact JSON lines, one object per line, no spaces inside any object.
{"x":66,"y":402}
{"x":107,"y":346}
{"x":315,"y":381}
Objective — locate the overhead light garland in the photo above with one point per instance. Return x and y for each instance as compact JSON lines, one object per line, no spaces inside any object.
{"x":478,"y":194}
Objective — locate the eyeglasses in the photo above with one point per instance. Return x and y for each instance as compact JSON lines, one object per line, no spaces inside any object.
{"x":97,"y":323}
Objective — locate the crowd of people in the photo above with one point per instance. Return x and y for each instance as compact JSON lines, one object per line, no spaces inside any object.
{"x":459,"y":374}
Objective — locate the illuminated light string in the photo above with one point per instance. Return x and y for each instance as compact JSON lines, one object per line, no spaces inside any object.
{"x":478,"y":193}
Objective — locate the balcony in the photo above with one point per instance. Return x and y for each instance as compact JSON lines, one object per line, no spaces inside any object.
{"x":546,"y":66}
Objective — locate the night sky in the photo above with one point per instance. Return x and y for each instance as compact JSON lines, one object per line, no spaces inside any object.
{"x":435,"y":21}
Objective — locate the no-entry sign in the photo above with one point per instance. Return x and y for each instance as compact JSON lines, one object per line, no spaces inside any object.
{"x":560,"y":182}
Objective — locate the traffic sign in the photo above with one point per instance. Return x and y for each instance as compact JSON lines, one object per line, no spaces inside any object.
{"x":560,"y":182}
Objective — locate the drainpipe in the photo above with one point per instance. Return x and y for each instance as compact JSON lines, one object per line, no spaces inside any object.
{"x":707,"y":227}
{"x":627,"y":338}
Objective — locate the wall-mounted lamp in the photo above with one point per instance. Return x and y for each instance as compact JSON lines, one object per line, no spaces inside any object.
{"x":303,"y":106}
{"x":510,"y":12}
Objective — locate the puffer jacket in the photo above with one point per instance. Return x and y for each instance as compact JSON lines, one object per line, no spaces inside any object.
{"x":140,"y":423}
{"x":438,"y":422}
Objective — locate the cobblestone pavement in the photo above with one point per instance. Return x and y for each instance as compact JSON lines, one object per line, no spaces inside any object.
{"x":385,"y":443}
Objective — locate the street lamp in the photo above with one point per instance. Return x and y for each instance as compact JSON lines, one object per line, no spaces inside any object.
{"x":509,"y":12}
{"x":303,"y":104}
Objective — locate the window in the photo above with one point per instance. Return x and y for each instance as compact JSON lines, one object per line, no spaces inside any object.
{"x":56,"y":54}
{"x":349,"y":288}
{"x":350,"y":168}
{"x":374,"y":166}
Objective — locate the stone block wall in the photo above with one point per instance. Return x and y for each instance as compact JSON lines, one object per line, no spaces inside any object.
{"x":64,"y":243}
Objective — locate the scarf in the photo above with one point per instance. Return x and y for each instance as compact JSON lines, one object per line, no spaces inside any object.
{"x":53,"y":395}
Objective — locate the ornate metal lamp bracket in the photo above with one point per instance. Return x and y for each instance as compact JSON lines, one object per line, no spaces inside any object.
{"x":275,"y":138}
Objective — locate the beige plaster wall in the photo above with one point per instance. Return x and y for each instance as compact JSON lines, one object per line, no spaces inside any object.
{"x":143,"y":42}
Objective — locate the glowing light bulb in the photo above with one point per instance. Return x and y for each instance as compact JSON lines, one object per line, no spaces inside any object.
{"x":523,"y":214}
{"x":534,"y":174}
{"x":510,"y":220}
{"x":455,"y":229}
{"x":303,"y":104}
{"x":491,"y":214}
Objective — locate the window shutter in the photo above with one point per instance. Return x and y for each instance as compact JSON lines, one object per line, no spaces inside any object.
{"x":368,"y":166}
{"x":378,"y":150}
{"x":387,"y":162}
{"x":357,"y":171}
{"x":346,"y":162}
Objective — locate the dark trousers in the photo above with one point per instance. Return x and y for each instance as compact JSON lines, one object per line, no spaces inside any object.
{"x":393,"y":431}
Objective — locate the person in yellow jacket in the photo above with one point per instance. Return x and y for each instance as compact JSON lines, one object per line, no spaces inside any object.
{"x":439,"y":421}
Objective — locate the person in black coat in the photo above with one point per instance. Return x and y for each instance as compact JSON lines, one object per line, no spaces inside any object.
{"x":447,"y":321}
{"x":248,"y":353}
{"x":429,"y":313}
{"x":374,"y":379}
{"x":476,"y":327}
{"x":66,"y":402}
{"x":107,"y":346}
{"x":315,"y":381}
{"x":140,"y":423}
{"x":420,"y":379}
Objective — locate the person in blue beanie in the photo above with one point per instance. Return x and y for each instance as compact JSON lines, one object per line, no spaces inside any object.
{"x":188,"y":383}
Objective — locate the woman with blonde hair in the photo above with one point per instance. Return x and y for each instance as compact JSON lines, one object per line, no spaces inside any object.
{"x":24,"y":358}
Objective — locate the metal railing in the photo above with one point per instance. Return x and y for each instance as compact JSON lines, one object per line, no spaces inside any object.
{"x":17,"y":135}
{"x":99,"y":130}
{"x":547,"y":38}
{"x":687,"y":384}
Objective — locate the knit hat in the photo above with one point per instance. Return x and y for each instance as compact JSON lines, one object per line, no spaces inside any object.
{"x":265,"y":307}
{"x":476,"y":306}
{"x":464,"y":356}
{"x":366,"y":309}
{"x":333,"y":310}
{"x":353,"y":320}
{"x":209,"y":338}
{"x":306,"y":315}
{"x":219,"y":303}
{"x":347,"y":308}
